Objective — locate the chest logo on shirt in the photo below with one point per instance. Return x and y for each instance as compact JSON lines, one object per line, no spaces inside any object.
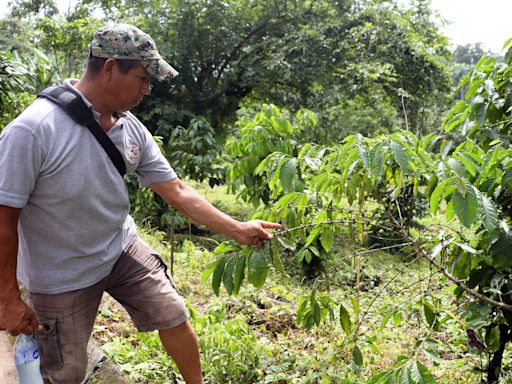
{"x":132,"y":150}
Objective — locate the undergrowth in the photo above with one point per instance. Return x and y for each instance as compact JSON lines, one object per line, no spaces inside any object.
{"x":256,"y":337}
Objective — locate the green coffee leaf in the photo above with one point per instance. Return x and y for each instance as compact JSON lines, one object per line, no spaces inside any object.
{"x":420,"y":374}
{"x":377,"y":161}
{"x":500,"y":250}
{"x":385,"y":319}
{"x":440,"y":191}
{"x":492,"y":339}
{"x":363,"y":156}
{"x":226,"y":246}
{"x":288,"y":244}
{"x":355,"y":305}
{"x":313,"y":235}
{"x":357,"y":358}
{"x":466,"y":247}
{"x":288,"y":173}
{"x":276,"y":255}
{"x":404,"y":376}
{"x":317,"y":312}
{"x":430,"y":315}
{"x":239,"y":274}
{"x":257,"y":269}
{"x":345,"y":322}
{"x":326,"y":238}
{"x":490,"y":212}
{"x":466,"y":207}
{"x":227,"y":276}
{"x":400,"y":155}
{"x":208,"y":271}
{"x":218,"y":274}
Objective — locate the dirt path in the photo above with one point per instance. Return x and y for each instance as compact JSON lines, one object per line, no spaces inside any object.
{"x":8,"y":374}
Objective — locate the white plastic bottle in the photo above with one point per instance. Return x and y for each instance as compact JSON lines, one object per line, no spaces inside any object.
{"x":26,"y":357}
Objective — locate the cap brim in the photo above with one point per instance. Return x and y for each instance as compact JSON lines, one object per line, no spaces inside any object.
{"x":159,"y":69}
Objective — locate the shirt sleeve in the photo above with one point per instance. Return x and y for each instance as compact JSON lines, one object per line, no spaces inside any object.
{"x":20,"y":164}
{"x":153,"y":166}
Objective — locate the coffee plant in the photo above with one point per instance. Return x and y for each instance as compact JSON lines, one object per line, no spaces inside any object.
{"x":322,"y":191}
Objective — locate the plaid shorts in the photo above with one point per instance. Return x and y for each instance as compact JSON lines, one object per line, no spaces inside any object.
{"x":139,"y":281}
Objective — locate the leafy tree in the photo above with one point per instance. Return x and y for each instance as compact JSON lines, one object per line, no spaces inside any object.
{"x":66,"y":42}
{"x":481,"y":170}
{"x":374,"y":53}
{"x":468,"y":54}
{"x":465,"y":57}
{"x":39,"y":51}
{"x":21,"y":8}
{"x":268,"y":131}
{"x":410,"y":59}
{"x":15,"y":35}
{"x":22,"y":76}
{"x":12,"y":97}
{"x":373,"y":57}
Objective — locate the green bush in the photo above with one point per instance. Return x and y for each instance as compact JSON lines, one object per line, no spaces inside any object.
{"x":142,"y":358}
{"x":229,"y":350}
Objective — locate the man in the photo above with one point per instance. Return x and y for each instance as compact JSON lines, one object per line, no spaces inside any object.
{"x":64,"y":221}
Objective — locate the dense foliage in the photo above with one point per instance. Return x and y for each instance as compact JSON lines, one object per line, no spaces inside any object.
{"x":369,"y":167}
{"x":360,"y":64}
{"x":470,"y":185}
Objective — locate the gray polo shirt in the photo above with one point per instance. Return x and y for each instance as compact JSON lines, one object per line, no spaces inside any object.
{"x":75,"y":219}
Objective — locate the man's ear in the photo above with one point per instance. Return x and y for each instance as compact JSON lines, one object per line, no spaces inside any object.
{"x":109,"y":67}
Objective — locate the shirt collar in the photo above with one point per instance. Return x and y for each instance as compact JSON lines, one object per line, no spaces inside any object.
{"x":69,"y":83}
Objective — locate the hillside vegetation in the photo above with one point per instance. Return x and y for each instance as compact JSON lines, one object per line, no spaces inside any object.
{"x":386,"y":157}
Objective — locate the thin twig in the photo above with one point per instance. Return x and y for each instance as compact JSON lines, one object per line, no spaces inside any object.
{"x":340,"y":221}
{"x":380,"y":292}
{"x":457,"y":282}
{"x":382,"y":248}
{"x":409,"y":299}
{"x":405,"y":114}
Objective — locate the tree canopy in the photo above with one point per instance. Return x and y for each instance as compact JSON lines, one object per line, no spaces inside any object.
{"x":364,"y":65}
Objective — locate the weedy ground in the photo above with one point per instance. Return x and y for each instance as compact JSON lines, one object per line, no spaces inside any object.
{"x":254,"y":337}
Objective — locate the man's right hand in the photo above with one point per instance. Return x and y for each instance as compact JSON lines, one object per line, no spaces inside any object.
{"x":17,"y":317}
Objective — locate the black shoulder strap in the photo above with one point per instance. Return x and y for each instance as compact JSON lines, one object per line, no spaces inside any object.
{"x":78,"y":110}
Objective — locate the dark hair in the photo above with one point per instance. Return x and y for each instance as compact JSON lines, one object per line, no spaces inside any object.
{"x":94,"y":64}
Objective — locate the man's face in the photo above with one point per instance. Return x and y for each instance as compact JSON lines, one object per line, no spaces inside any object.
{"x":129,"y":88}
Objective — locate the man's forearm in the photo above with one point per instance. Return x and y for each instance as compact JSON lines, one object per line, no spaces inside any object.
{"x":8,"y":253}
{"x":15,"y":316}
{"x":191,"y":204}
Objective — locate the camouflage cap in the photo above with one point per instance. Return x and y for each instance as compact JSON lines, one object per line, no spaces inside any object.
{"x":124,"y":41}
